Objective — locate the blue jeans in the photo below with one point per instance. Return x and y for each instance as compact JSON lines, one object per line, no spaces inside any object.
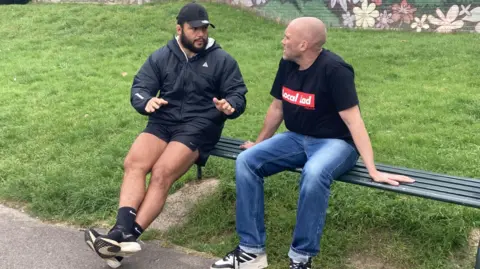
{"x":323,"y":160}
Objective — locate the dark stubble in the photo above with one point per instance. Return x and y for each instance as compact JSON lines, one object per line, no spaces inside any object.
{"x":189,"y":44}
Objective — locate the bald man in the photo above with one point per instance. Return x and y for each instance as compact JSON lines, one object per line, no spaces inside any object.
{"x":314,"y":92}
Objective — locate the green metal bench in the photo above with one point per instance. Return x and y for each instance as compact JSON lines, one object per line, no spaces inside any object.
{"x":445,"y":188}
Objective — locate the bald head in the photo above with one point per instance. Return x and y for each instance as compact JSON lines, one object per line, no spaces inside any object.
{"x":310,"y":29}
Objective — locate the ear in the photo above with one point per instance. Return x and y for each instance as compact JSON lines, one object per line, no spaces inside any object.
{"x":179,"y":29}
{"x":303,"y":45}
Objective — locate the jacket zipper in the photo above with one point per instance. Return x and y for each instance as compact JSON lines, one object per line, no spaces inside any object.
{"x":185,"y":67}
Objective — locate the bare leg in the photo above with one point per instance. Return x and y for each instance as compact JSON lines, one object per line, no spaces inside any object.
{"x":143,"y":154}
{"x":173,"y":163}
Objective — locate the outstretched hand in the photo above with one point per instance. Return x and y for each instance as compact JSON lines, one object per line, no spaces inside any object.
{"x":223,"y":106}
{"x":154,"y":104}
{"x":392,"y":179}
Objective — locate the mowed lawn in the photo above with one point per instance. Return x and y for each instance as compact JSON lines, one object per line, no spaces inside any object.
{"x":66,"y":125}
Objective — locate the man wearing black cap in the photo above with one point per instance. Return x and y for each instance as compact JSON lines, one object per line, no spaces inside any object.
{"x":188,"y":89}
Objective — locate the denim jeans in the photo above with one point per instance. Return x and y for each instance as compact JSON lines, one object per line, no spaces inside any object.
{"x":323,"y":160}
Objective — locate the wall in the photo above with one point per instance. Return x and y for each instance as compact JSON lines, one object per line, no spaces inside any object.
{"x":106,"y":2}
{"x":443,"y":16}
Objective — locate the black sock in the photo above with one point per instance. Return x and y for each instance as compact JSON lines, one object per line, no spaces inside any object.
{"x":126,"y":217}
{"x":137,"y":230}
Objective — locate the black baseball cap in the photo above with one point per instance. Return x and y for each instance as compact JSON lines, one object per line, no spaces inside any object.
{"x":194,"y":14}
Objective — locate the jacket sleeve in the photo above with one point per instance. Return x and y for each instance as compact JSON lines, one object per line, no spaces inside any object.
{"x":233,"y":87}
{"x":146,"y":84}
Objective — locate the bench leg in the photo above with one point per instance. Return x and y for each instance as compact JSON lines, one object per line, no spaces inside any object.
{"x":477,"y":263}
{"x":199,"y":172}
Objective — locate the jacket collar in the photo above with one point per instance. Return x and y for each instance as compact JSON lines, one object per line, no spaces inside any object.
{"x":182,"y":56}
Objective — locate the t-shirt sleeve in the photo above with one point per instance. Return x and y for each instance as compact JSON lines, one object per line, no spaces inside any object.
{"x":342,"y":85}
{"x":276,"y":90}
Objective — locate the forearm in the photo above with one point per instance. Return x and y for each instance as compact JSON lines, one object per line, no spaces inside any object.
{"x":362,"y":141}
{"x":146,"y":85}
{"x":272,"y":121}
{"x":139,"y":98}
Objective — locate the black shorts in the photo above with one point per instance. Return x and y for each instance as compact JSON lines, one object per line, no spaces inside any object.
{"x":192,"y":135}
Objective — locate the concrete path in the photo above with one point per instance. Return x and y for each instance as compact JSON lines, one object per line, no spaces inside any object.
{"x":27,"y":243}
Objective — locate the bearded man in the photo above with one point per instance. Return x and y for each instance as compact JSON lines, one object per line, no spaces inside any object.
{"x":188,"y":89}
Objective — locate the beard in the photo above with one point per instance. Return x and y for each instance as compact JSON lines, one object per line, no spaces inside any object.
{"x":190,"y":44}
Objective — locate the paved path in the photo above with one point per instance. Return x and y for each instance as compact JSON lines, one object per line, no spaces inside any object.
{"x":27,"y":243}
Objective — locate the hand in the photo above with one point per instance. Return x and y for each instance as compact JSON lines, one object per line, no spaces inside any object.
{"x":223,"y":106}
{"x":391,"y":179}
{"x":154,"y":104}
{"x":247,"y":144}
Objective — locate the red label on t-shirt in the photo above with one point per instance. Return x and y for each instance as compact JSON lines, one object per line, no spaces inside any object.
{"x":307,"y":100}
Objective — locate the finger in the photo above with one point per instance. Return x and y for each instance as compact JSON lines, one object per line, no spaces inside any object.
{"x":163,"y":102}
{"x":384,"y":179}
{"x":392,"y":182}
{"x":157,"y":100}
{"x":155,"y":105}
{"x":232,"y":110}
{"x":245,"y":144}
{"x":401,"y":178}
{"x":249,"y":145}
{"x":152,"y":108}
{"x":215,"y":100}
{"x":226,"y":106}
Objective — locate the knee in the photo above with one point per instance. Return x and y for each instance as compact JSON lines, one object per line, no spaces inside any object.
{"x":315,"y":178}
{"x":246,"y":159}
{"x":132,"y":165}
{"x":161,"y":177}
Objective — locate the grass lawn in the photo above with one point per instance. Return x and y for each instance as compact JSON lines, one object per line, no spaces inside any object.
{"x":66,"y":124}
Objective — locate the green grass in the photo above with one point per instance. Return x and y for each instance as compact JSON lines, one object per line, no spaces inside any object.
{"x":66,"y":124}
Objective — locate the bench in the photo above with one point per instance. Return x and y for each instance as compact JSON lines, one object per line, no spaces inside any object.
{"x":445,"y":188}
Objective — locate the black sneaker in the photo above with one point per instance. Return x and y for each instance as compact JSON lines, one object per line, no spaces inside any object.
{"x":117,"y":241}
{"x":90,"y":236}
{"x":238,"y":258}
{"x":301,"y":265}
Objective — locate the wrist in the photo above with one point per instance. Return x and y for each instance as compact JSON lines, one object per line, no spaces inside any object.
{"x":373,"y":172}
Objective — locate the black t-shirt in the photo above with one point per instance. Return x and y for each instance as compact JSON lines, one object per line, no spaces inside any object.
{"x":313,"y":97}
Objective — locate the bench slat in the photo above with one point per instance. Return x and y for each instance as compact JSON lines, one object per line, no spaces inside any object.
{"x":412,"y":191}
{"x":445,"y":188}
{"x":428,"y":187}
{"x":430,"y":180}
{"x":414,"y":172}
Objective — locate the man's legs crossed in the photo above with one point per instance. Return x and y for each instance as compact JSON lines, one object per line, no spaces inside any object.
{"x":145,"y":152}
{"x":269,"y":157}
{"x":327,"y":160}
{"x":142,"y":155}
{"x":173,"y":163}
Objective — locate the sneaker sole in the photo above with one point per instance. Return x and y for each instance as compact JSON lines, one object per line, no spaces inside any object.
{"x":261,"y":263}
{"x":89,"y":239}
{"x":107,"y":248}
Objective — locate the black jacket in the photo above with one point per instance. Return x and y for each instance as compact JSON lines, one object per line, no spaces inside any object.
{"x":189,"y":85}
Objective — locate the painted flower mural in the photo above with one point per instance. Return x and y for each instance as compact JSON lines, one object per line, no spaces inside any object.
{"x":348,"y":19}
{"x":249,"y":3}
{"x":420,"y":24}
{"x":403,"y":12}
{"x":448,"y":23}
{"x":365,"y":16}
{"x":441,"y":16}
{"x":384,"y":20}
